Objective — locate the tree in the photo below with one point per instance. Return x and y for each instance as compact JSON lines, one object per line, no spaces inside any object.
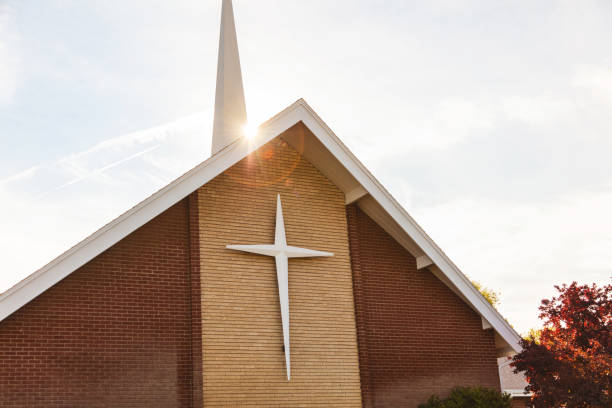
{"x":462,"y":397}
{"x":489,"y":294}
{"x":570,"y":364}
{"x":533,"y":335}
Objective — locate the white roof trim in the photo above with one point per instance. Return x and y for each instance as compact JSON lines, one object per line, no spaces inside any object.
{"x":518,"y":393}
{"x":121,"y":227}
{"x":92,"y":246}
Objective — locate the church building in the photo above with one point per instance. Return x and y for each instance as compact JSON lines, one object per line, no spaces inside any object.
{"x":277,"y":273}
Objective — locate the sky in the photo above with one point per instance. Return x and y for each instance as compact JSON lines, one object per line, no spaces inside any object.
{"x":490,"y":122}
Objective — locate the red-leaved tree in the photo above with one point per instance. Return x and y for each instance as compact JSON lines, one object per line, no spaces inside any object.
{"x":570,"y":364}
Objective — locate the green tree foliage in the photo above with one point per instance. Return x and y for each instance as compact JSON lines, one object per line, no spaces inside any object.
{"x":489,"y":294}
{"x":534,"y":335}
{"x":470,"y":398}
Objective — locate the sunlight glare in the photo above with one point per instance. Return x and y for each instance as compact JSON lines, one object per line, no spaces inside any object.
{"x":250,"y":131}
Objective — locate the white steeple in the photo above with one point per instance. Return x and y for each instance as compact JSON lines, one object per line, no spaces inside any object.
{"x":230,"y":107}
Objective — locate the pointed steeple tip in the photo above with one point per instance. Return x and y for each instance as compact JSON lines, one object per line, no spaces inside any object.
{"x":230,"y":106}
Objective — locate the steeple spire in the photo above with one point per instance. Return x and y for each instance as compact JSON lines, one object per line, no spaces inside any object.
{"x":230,"y":107}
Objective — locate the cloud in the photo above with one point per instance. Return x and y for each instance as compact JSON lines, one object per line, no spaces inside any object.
{"x":85,"y":174}
{"x":596,"y":79}
{"x":20,"y":176}
{"x":119,"y":150}
{"x":536,"y":110}
{"x":452,"y":121}
{"x":98,"y":159}
{"x":53,"y":206}
{"x":523,"y":249}
{"x":10,"y":62}
{"x":488,"y":120}
{"x":596,"y":255}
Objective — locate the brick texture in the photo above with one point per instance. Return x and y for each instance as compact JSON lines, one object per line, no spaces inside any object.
{"x":117,"y":332}
{"x":169,"y":317}
{"x":416,"y":337}
{"x":521,"y":402}
{"x":196,"y":303}
{"x":243,"y":359}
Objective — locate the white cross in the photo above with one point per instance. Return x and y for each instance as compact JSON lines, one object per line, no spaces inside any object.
{"x":281,"y":253}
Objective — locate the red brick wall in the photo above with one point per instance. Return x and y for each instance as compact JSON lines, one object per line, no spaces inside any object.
{"x":416,"y":337}
{"x":521,"y":402}
{"x":118,"y":332}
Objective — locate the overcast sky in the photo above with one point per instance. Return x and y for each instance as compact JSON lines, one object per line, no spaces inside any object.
{"x":490,"y":121}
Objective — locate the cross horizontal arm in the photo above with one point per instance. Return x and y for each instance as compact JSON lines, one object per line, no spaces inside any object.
{"x":274,"y":250}
{"x":268,"y":250}
{"x":295,"y":252}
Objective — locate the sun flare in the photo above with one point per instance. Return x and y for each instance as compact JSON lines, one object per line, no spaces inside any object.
{"x":250,"y":131}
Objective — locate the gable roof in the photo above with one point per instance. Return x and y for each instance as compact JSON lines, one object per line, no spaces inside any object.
{"x":326,"y":152}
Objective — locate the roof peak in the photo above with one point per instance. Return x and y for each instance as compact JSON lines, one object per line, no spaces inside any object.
{"x":230,"y":105}
{"x":341,"y":168}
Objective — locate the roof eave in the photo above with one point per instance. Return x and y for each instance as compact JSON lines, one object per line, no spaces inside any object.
{"x":300,"y":111}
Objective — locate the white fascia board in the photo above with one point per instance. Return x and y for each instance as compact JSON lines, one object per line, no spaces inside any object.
{"x":92,"y":246}
{"x":518,"y":393}
{"x":395,"y":210}
{"x":144,"y":212}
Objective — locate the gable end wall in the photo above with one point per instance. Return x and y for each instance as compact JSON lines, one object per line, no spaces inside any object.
{"x":243,"y":357}
{"x":118,"y":332}
{"x":416,"y":337}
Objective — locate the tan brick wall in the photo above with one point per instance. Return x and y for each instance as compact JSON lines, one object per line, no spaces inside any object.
{"x":243,"y":360}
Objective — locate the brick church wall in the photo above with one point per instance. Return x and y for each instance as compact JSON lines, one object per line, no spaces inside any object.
{"x":115,"y":333}
{"x":416,"y":337}
{"x":243,"y":359}
{"x":168,"y":317}
{"x":521,"y":402}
